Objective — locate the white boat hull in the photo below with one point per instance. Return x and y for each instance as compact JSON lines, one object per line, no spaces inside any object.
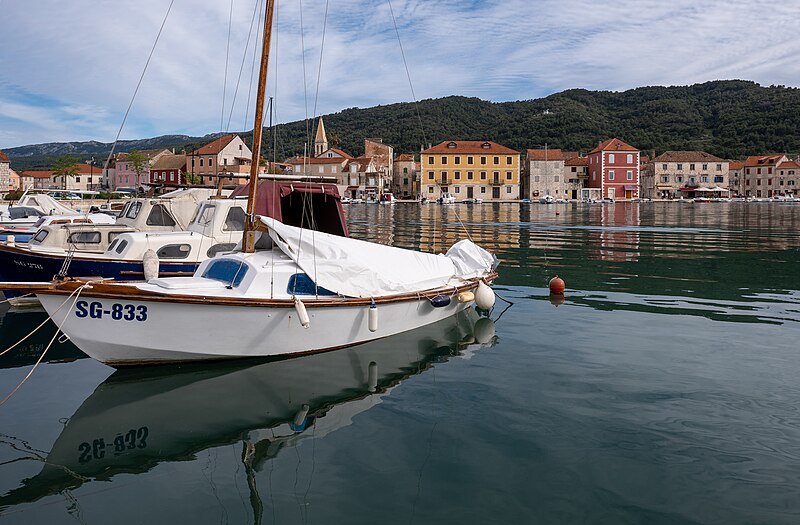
{"x":126,"y":333}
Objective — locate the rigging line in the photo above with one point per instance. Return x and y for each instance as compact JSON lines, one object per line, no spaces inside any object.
{"x":35,"y":366}
{"x":138,"y":84}
{"x":225,"y":76}
{"x":305,"y":81}
{"x":321,"y":49}
{"x":241,"y":66}
{"x":408,"y":74}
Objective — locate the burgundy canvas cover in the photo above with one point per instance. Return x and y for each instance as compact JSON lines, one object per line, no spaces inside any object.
{"x":295,"y":203}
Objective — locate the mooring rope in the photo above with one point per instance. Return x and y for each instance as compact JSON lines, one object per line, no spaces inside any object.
{"x":77,"y":294}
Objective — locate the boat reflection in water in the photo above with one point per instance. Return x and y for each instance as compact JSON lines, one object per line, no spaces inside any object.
{"x":17,"y":324}
{"x":138,"y":418}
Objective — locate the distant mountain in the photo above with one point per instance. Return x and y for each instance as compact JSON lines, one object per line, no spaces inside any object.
{"x":728,"y":118}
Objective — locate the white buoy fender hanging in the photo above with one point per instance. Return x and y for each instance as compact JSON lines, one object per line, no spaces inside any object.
{"x":150,"y":263}
{"x":484,"y":296}
{"x":302,"y":314}
{"x":372,"y":376}
{"x":11,"y":240}
{"x":373,"y":317}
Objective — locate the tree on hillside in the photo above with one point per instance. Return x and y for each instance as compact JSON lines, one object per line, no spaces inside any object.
{"x":65,"y":166}
{"x":139,"y":162}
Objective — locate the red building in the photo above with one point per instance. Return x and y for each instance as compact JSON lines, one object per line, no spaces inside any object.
{"x":614,"y":170}
{"x":169,"y":169}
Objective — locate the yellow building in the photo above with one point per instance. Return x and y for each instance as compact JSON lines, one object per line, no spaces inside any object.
{"x":470,"y":169}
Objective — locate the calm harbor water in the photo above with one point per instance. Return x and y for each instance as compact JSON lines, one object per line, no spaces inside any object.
{"x":662,"y":390}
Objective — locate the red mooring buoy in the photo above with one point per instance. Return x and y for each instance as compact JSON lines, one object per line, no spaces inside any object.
{"x":557,"y":285}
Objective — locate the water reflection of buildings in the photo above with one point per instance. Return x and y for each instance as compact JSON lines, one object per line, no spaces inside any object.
{"x":494,"y":227}
{"x":618,"y":238}
{"x":138,"y":419}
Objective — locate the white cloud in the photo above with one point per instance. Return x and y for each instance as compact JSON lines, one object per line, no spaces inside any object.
{"x":70,"y":68}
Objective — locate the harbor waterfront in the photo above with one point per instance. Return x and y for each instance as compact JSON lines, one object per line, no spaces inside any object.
{"x":661,"y":388}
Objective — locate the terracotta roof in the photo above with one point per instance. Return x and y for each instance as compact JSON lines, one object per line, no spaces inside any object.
{"x":341,"y":152}
{"x":577,"y":161}
{"x":363,"y":163}
{"x":762,"y":160}
{"x":687,"y":156}
{"x":613,"y":145}
{"x":215,"y":146}
{"x":3,"y":156}
{"x":38,"y":174}
{"x":169,"y":162}
{"x":479,"y":147}
{"x":735,"y":165}
{"x":550,"y":154}
{"x":296,"y":161}
{"x":405,"y":157}
{"x":789,"y":164}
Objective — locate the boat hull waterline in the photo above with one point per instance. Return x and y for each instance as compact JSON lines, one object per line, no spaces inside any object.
{"x":120,"y":332}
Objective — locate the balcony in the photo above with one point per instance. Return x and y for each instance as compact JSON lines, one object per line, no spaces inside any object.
{"x":445,"y":181}
{"x":497,"y":182}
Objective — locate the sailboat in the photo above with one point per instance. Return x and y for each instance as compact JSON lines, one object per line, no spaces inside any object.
{"x":283,"y":291}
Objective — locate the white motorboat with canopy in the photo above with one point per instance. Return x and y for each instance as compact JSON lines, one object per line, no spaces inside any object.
{"x":285,"y":290}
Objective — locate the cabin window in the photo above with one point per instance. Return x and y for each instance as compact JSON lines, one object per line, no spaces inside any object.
{"x":234,"y":221}
{"x":40,"y":236}
{"x":85,"y":238}
{"x":159,"y":216}
{"x":21,"y":212}
{"x":113,"y":235}
{"x":112,"y":245}
{"x":228,"y":271}
{"x":134,"y":210}
{"x":121,"y":246}
{"x":174,"y":251}
{"x":221,"y":247}
{"x":301,"y":284}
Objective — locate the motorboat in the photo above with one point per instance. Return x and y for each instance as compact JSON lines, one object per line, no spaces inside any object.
{"x":29,"y":209}
{"x":22,"y":234}
{"x":547,"y":199}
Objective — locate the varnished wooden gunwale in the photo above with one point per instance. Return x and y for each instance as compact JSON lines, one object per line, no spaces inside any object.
{"x":126,"y":292}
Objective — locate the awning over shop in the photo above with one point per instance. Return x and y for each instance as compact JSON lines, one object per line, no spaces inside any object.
{"x":630,"y":187}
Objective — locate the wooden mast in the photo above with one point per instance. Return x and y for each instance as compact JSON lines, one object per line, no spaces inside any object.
{"x":249,"y":239}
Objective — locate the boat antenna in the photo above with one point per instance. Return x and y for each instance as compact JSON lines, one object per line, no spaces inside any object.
{"x":249,"y":238}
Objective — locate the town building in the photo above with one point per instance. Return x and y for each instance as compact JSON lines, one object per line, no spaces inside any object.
{"x":613,"y":171}
{"x":404,"y":181}
{"x":125,"y":174}
{"x":760,"y":176}
{"x":788,"y":178}
{"x":677,"y":174}
{"x":576,"y":171}
{"x":14,"y":180}
{"x":5,"y":173}
{"x":168,"y":169}
{"x":226,"y":156}
{"x":470,"y":169}
{"x":736,"y":177}
{"x":382,"y":157}
{"x":547,"y":175}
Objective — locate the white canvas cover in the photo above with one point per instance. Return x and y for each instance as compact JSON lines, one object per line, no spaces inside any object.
{"x":355,"y":268}
{"x":47,"y":204}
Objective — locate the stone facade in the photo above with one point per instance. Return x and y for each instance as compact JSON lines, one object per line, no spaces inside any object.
{"x":762,"y":178}
{"x":5,"y":173}
{"x":674,"y":174}
{"x":404,"y":183}
{"x":547,"y":174}
{"x":227,"y":156}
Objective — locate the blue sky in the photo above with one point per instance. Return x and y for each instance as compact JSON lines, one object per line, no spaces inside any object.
{"x":70,"y":68}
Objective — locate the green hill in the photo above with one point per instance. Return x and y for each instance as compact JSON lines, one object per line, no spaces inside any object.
{"x":729,"y":118}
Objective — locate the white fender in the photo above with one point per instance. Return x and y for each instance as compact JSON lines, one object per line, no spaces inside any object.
{"x":10,"y":240}
{"x":301,"y":415}
{"x":484,"y":296}
{"x":302,"y":313}
{"x":150,"y":263}
{"x":373,"y":317}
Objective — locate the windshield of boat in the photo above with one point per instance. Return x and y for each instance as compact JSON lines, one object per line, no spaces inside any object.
{"x":133,"y":211}
{"x":204,"y":215}
{"x":23,"y":212}
{"x":234,"y":221}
